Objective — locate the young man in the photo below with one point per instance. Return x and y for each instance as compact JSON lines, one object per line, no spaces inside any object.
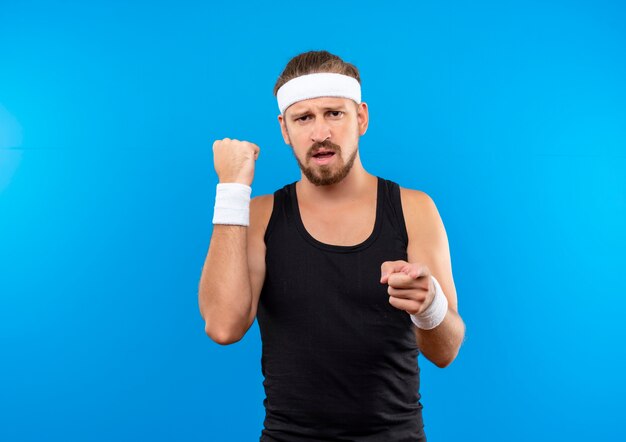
{"x":348,"y":274}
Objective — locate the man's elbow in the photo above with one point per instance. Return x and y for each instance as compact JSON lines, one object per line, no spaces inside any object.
{"x":222,"y":337}
{"x":445,"y":359}
{"x":444,"y":362}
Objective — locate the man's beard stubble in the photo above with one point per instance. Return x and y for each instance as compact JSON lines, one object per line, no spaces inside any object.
{"x":326,"y":175}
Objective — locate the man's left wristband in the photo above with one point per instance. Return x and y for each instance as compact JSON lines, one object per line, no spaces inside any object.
{"x":436,"y":311}
{"x":232,"y":204}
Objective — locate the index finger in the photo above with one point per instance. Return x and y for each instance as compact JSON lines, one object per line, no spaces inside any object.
{"x":389,"y":267}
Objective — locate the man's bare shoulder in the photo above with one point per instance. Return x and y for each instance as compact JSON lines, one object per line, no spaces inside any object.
{"x":423,"y":222}
{"x":262,"y":202}
{"x":416,"y":204}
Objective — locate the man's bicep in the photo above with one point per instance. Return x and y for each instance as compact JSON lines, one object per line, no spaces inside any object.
{"x":256,"y":265}
{"x":428,"y":240}
{"x":260,"y":212}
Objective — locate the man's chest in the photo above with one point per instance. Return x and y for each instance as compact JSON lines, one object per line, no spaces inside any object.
{"x":345,"y":227}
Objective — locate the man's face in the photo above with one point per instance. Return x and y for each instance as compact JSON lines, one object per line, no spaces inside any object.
{"x":326,"y":124}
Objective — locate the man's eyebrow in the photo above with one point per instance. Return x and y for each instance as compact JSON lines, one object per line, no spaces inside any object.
{"x":339,"y":107}
{"x":299,"y":114}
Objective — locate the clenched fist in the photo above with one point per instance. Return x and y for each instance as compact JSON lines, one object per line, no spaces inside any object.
{"x":234,"y":160}
{"x":410,"y":286}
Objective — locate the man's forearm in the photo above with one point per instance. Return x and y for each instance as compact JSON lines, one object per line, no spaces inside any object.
{"x":441,"y":344}
{"x":224,"y":293}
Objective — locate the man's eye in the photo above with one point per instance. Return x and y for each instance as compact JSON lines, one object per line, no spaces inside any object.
{"x":303,"y":118}
{"x":336,"y":113}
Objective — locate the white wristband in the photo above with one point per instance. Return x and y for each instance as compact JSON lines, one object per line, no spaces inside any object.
{"x":232,"y":204}
{"x":436,"y":311}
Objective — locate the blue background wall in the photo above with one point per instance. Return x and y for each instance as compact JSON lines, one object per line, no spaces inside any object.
{"x":511,"y":115}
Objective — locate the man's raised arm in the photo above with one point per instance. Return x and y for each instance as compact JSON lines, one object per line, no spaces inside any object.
{"x":230,"y":280}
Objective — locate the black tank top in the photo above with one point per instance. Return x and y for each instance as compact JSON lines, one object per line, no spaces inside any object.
{"x":339,"y":362}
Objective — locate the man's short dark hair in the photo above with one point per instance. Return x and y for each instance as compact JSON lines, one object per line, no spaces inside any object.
{"x":313,"y":62}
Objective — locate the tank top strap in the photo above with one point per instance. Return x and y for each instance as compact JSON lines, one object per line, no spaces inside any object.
{"x":280,"y":210}
{"x":393,"y":207}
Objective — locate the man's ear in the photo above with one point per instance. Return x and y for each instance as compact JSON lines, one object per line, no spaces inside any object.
{"x":362,"y":117}
{"x":283,"y":129}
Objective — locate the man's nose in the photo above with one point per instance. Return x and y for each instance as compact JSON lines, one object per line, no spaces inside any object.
{"x":320,"y":130}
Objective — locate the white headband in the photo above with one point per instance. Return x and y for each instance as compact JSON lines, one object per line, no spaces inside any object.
{"x":322,"y":84}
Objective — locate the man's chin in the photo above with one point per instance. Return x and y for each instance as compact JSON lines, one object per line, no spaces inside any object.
{"x":325,"y":180}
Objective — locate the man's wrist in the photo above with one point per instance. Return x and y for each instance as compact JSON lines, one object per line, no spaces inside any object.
{"x":232,"y":204}
{"x":435,"y":312}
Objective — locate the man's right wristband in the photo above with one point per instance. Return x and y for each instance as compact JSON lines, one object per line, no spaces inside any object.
{"x":436,"y":311}
{"x":232,"y":204}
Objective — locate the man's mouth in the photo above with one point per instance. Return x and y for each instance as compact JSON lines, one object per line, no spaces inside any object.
{"x":324,"y":157}
{"x":322,"y":153}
